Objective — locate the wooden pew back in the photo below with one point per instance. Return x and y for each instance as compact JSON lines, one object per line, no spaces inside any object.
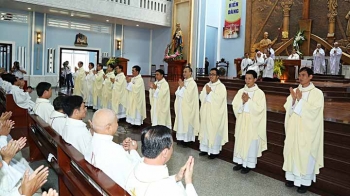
{"x":19,"y":115}
{"x":76,"y":176}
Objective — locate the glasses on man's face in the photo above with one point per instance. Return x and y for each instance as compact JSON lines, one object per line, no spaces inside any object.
{"x":212,"y":75}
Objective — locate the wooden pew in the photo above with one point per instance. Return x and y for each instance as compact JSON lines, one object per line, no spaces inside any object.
{"x":76,"y":176}
{"x":19,"y":115}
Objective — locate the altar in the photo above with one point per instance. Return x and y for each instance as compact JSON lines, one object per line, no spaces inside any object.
{"x":291,"y":69}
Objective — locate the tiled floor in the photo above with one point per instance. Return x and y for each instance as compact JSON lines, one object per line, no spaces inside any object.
{"x":211,"y":177}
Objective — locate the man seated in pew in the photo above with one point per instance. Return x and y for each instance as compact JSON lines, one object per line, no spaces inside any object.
{"x":303,"y":146}
{"x":268,"y":68}
{"x":113,"y":159}
{"x":213,"y":131}
{"x":58,"y":118}
{"x":21,"y":98}
{"x":151,"y":176}
{"x":75,"y":131}
{"x":43,"y":108}
{"x":159,"y":97}
{"x":249,"y":107}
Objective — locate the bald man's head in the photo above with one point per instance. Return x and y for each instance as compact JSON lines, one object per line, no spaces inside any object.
{"x":105,"y":122}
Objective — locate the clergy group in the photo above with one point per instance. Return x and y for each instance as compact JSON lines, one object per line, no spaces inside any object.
{"x":203,"y":114}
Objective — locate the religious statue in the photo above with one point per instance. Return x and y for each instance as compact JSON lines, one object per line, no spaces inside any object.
{"x":174,"y":49}
{"x":80,"y":40}
{"x":265,"y":42}
{"x":348,"y":26}
{"x":177,"y":39}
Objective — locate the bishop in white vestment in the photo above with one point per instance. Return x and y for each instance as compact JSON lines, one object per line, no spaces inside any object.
{"x":159,"y":96}
{"x":294,"y":56}
{"x":249,"y":107}
{"x":319,"y":60}
{"x":98,"y":85}
{"x":107,"y":88}
{"x":136,"y":110}
{"x":186,"y":108}
{"x":303,"y":146}
{"x":113,"y":159}
{"x":268,"y":68}
{"x":88,"y":86}
{"x":334,"y":60}
{"x":79,"y":78}
{"x":151,"y":176}
{"x":75,"y":131}
{"x":43,"y":108}
{"x":119,"y":93}
{"x":213,"y":132}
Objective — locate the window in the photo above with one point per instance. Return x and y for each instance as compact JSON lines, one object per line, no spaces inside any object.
{"x":79,"y":26}
{"x":151,"y":5}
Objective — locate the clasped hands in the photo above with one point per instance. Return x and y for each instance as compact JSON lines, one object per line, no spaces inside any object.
{"x":129,"y":144}
{"x":152,"y":85}
{"x":186,"y":171}
{"x":296,"y":95}
{"x":181,"y":83}
{"x":245,"y":97}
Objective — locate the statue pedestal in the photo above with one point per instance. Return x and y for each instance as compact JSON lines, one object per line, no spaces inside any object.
{"x":175,"y":69}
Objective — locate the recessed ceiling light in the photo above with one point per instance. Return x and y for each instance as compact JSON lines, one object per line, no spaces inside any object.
{"x":29,"y":8}
{"x":107,"y":20}
{"x":137,"y":25}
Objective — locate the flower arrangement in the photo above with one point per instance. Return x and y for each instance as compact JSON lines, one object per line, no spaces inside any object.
{"x":279,"y":67}
{"x":171,"y":57}
{"x":298,"y":40}
{"x":112,"y":60}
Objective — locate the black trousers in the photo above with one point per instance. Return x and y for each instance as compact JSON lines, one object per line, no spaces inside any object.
{"x":69,"y":80}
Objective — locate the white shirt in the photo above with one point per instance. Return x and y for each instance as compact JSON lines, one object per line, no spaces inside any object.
{"x":294,"y":57}
{"x":10,"y":174}
{"x":268,"y":70}
{"x":58,"y":121}
{"x":43,"y":108}
{"x":245,"y":62}
{"x":9,"y":177}
{"x":154,"y":180}
{"x":5,"y":85}
{"x":111,"y":158}
{"x":22,"y":99}
{"x":272,"y":53}
{"x":18,"y":73}
{"x":76,"y":134}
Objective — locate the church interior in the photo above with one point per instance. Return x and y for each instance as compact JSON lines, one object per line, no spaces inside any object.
{"x":43,"y":35}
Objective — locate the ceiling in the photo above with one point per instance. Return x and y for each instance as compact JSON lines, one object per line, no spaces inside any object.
{"x":10,"y":4}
